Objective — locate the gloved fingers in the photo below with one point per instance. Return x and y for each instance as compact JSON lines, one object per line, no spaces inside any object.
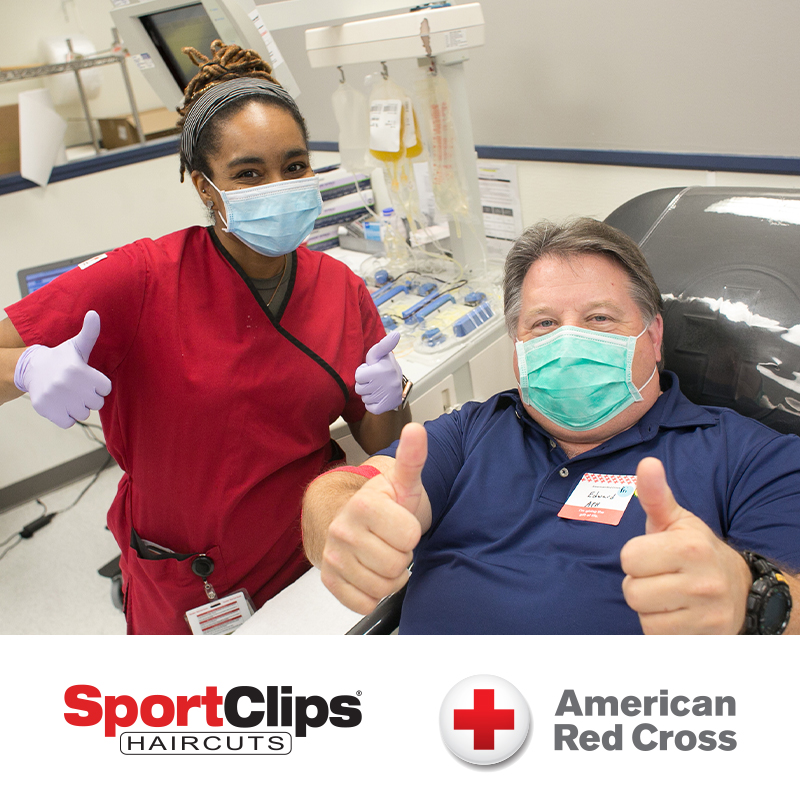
{"x":85,"y":340}
{"x":383,"y":347}
{"x":78,"y":411}
{"x":387,"y":369}
{"x":55,"y":413}
{"x":93,"y":402}
{"x":382,"y":407}
{"x":102,"y":385}
{"x":380,"y":401}
{"x":365,"y":388}
{"x":365,"y":373}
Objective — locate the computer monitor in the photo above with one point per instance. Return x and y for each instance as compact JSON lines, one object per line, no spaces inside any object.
{"x":34,"y":278}
{"x":155,"y":31}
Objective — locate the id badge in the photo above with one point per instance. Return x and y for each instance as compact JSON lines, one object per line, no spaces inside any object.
{"x":220,"y":616}
{"x":600,"y":498}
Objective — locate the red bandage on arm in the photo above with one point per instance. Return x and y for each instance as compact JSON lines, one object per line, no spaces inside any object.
{"x":365,"y":470}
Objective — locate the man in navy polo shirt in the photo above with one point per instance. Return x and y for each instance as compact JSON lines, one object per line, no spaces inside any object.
{"x":595,"y":498}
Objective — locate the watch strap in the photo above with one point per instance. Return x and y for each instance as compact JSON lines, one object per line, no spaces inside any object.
{"x":769,"y":587}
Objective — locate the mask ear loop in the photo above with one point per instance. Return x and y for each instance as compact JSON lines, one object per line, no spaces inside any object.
{"x":655,"y":369}
{"x":222,"y":195}
{"x":522,"y":369}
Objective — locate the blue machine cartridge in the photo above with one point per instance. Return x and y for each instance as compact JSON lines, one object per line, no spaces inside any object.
{"x":411,"y":310}
{"x":473,"y":319}
{"x":429,"y":309}
{"x":382,"y":298}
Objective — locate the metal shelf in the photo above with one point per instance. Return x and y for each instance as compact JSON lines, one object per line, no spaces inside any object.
{"x":75,"y":65}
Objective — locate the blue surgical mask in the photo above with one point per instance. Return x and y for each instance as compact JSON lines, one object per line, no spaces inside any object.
{"x":578,"y":379}
{"x":273,"y":219}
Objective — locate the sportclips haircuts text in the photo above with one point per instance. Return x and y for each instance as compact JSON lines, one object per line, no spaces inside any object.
{"x":240,"y":707}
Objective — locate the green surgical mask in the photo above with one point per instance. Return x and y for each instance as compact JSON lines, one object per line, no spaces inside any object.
{"x":577,"y":378}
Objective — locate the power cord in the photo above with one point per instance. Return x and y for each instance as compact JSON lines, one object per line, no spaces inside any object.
{"x":46,"y":518}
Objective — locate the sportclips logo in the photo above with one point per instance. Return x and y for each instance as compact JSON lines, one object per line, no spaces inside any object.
{"x":241,"y":707}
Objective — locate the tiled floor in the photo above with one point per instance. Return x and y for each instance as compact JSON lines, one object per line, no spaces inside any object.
{"x":49,"y":583}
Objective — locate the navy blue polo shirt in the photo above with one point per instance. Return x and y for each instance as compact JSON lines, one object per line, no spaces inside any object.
{"x":499,"y":560}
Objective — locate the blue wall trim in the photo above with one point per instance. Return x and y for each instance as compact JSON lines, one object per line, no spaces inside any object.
{"x":328,"y":147}
{"x":120,"y":157}
{"x":778,"y":165}
{"x":774,"y":165}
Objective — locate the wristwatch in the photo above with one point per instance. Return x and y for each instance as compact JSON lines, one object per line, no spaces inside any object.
{"x":769,"y":603}
{"x":407,"y":386}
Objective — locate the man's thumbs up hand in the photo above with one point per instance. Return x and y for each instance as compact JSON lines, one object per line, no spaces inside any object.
{"x":680,"y":577}
{"x":370,"y":543}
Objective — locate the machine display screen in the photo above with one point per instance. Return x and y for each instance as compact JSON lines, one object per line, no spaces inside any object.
{"x":170,"y":31}
{"x":34,"y":278}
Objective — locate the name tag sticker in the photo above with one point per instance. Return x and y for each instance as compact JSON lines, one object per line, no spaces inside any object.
{"x":600,"y":498}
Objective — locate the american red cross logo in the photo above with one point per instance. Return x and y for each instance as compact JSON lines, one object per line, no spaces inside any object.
{"x":484,"y":719}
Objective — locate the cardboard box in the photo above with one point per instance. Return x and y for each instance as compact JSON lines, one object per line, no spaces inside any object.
{"x":121,"y":131}
{"x":9,"y":139}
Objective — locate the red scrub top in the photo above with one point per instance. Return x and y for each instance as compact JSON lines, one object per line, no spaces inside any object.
{"x":219,"y":412}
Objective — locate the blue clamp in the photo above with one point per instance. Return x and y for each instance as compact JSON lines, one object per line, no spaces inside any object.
{"x":403,"y":288}
{"x":389,"y":323}
{"x":473,"y":319}
{"x":429,"y":309}
{"x":411,"y":310}
{"x":432,"y":337}
{"x":474,"y":299}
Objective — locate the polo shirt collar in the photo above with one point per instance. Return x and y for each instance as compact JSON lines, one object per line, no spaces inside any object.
{"x":671,"y":410}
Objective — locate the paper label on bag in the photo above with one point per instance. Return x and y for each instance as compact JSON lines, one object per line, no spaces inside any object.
{"x":600,"y":498}
{"x":384,"y":125}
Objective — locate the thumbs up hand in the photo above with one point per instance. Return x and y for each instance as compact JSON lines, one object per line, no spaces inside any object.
{"x":61,"y":384}
{"x":680,"y":577}
{"x":370,"y":543}
{"x":379,"y":380}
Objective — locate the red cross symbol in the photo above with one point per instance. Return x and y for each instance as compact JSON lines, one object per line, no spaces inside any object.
{"x":484,"y":719}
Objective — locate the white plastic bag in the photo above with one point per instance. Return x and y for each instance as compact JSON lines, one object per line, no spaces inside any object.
{"x":350,"y":110}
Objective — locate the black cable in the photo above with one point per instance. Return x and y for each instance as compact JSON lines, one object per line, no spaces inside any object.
{"x":10,"y":547}
{"x":46,"y":518}
{"x":88,"y":430}
{"x":85,"y":488}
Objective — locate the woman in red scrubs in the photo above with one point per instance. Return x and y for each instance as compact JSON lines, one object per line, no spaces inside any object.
{"x":217,"y":356}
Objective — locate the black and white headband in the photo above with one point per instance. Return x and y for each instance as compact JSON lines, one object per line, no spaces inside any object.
{"x":217,"y":96}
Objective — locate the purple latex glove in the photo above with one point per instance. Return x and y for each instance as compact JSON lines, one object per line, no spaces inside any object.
{"x":380,"y":380}
{"x":61,"y":384}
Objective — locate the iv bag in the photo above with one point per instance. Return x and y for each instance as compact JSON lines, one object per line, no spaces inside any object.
{"x":350,"y":110}
{"x":386,"y":121}
{"x":447,"y":177}
{"x":394,"y":140}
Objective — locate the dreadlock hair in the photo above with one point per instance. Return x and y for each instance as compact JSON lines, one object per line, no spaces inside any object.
{"x":227,"y":62}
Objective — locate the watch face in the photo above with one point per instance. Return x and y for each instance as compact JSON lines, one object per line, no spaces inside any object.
{"x":773,"y":612}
